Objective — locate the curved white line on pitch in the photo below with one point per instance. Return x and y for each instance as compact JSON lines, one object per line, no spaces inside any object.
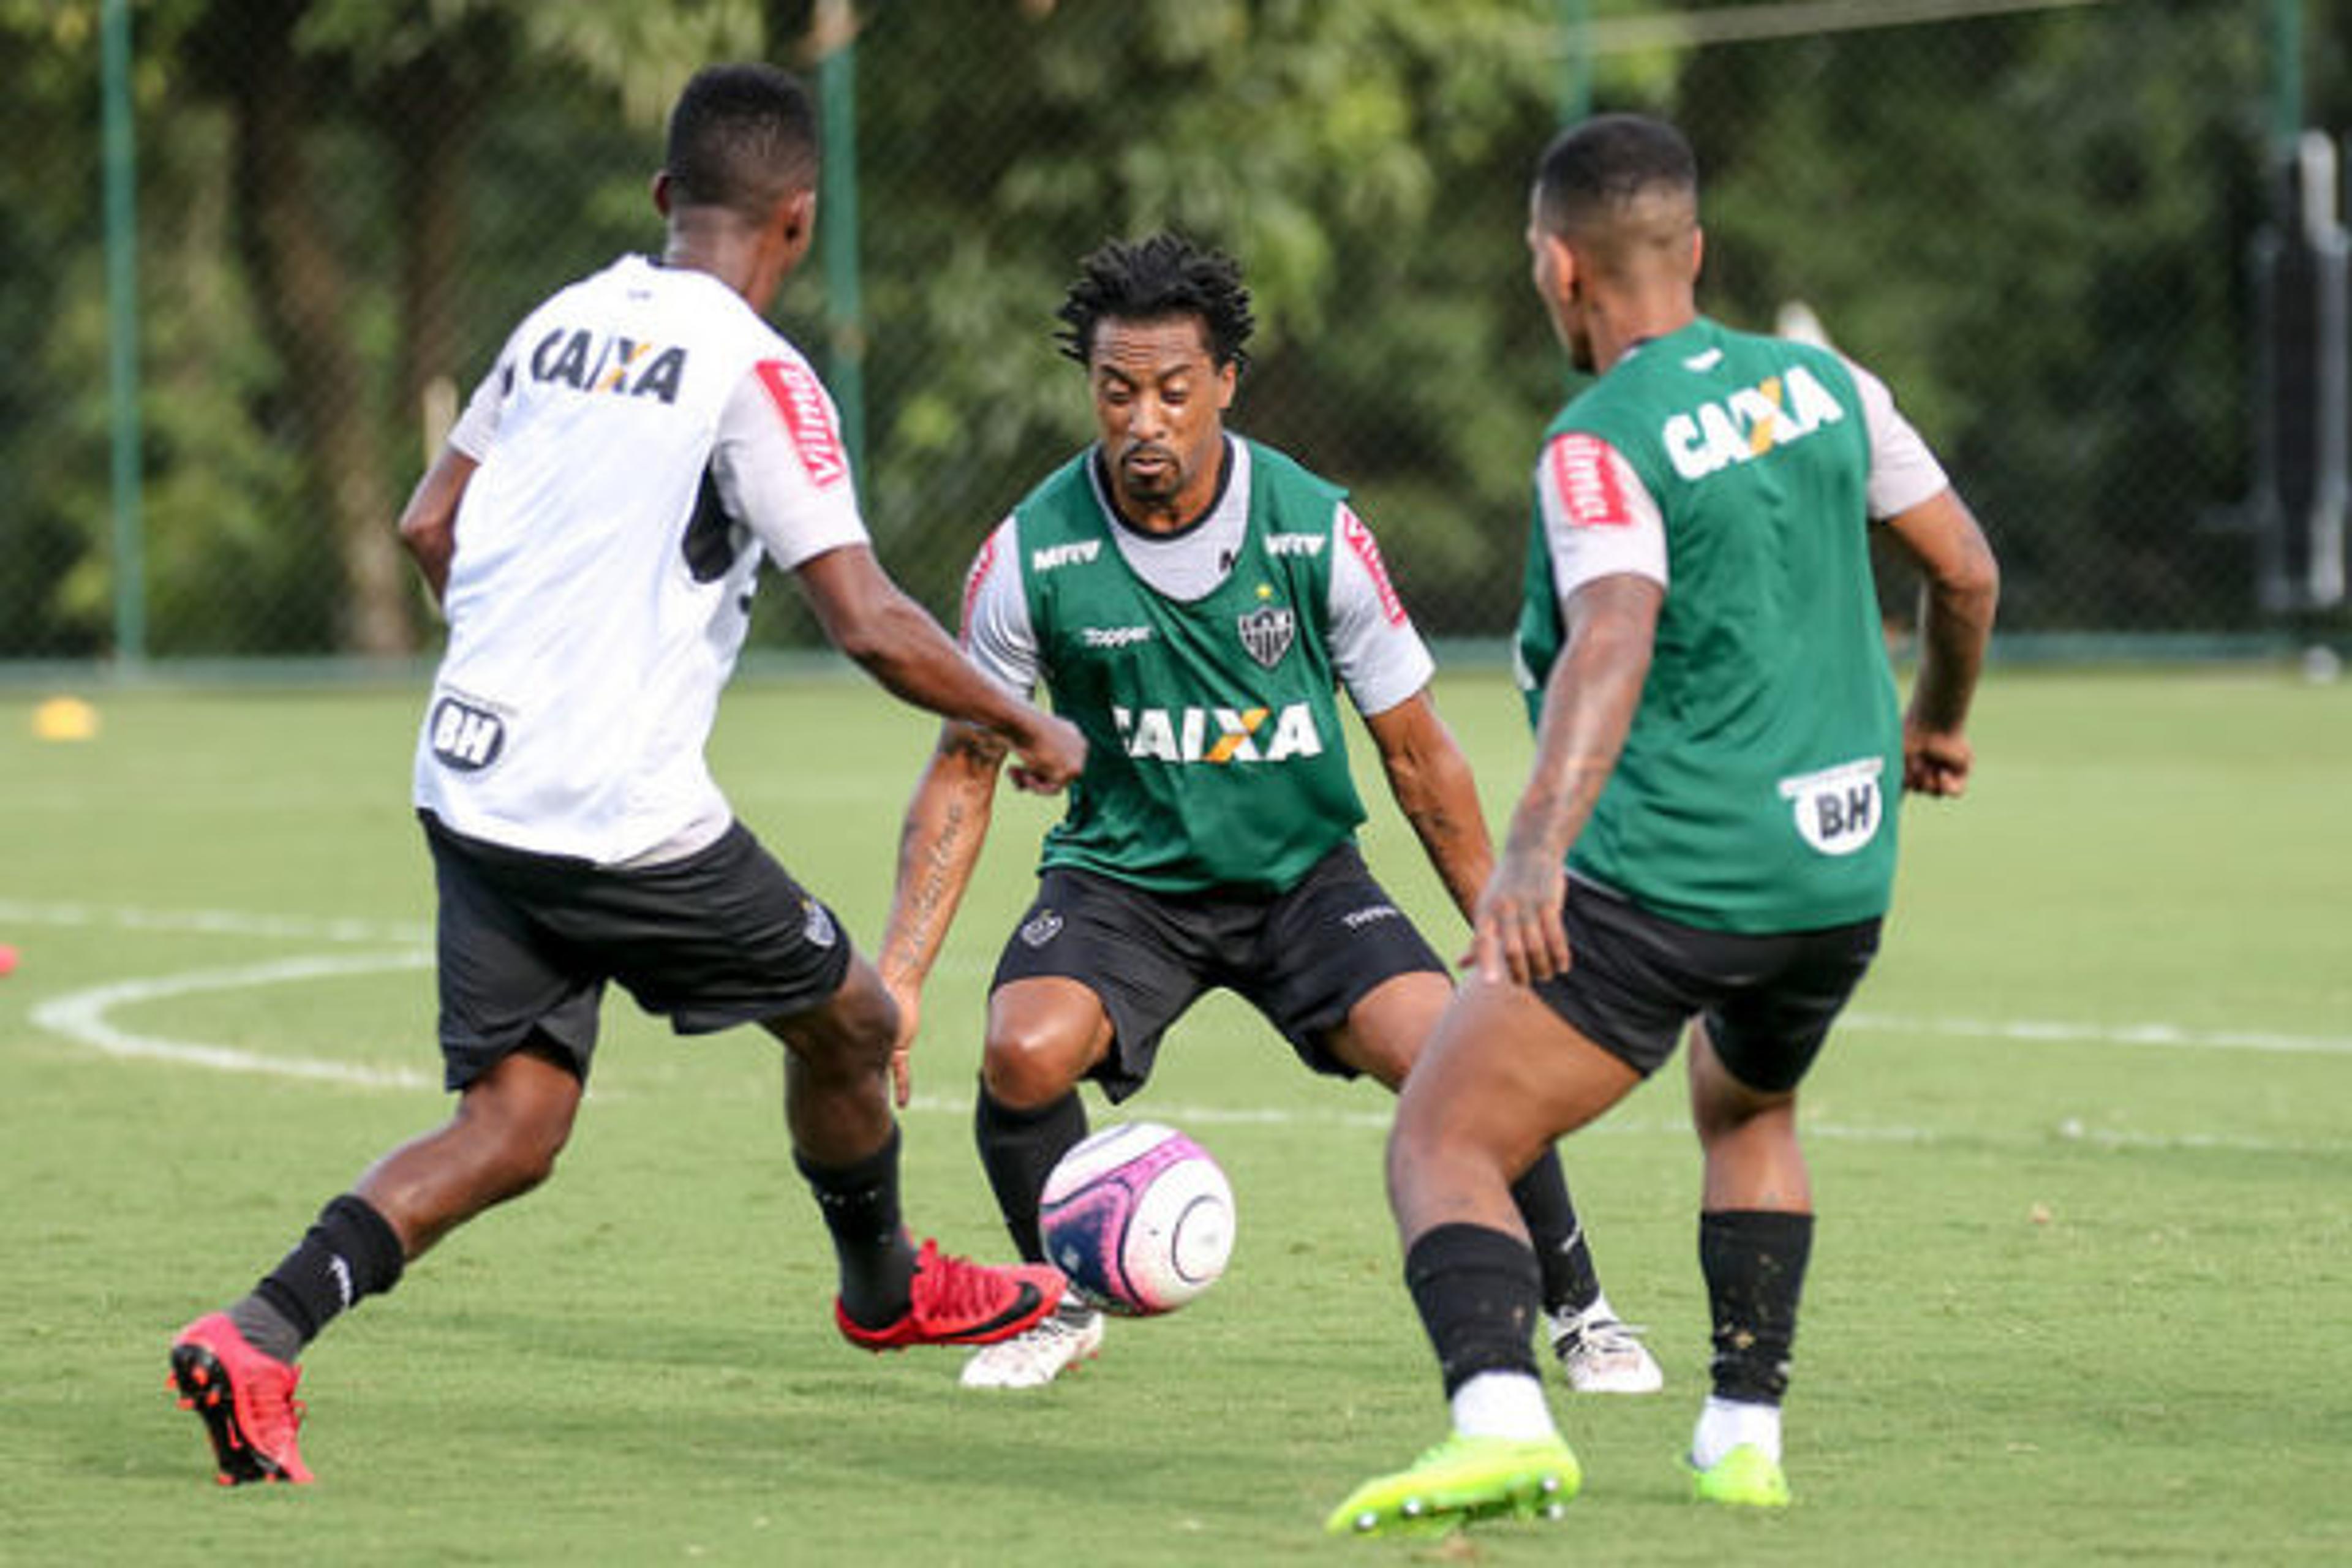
{"x":2041,"y":1030}
{"x":213,"y":922}
{"x":82,"y":1016}
{"x":233,"y":922}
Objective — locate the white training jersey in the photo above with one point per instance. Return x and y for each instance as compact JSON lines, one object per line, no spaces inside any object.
{"x":1599,"y":519}
{"x":1375,"y":651}
{"x":645,"y":440}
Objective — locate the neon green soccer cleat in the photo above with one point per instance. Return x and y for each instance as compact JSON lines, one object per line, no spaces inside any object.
{"x":1461,"y":1481}
{"x":1745,"y":1478}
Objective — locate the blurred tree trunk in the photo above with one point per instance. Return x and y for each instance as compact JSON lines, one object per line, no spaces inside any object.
{"x":428,"y":111}
{"x":305,"y":293}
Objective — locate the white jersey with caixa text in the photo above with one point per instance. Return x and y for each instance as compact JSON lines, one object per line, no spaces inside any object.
{"x":644,"y":441}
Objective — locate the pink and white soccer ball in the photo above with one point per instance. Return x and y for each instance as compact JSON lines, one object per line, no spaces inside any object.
{"x":1140,"y":1217}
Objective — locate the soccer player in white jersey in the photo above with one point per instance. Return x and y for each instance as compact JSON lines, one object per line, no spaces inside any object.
{"x":593,"y":529}
{"x":1195,"y":601}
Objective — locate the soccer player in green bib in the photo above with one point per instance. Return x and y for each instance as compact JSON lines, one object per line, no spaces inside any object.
{"x":1708,"y":829}
{"x":1194,"y":602}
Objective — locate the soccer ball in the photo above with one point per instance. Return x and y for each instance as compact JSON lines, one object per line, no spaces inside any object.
{"x":1140,"y":1218}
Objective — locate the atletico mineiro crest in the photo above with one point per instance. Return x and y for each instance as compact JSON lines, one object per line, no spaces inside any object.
{"x":1266,"y":633}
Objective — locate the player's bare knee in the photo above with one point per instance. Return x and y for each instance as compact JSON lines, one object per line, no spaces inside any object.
{"x":1027,"y":1067}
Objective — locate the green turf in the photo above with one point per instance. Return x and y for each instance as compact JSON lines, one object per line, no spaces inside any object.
{"x":2079,"y":1293}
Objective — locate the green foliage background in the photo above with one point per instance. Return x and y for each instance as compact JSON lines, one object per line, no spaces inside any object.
{"x":2035,"y":225}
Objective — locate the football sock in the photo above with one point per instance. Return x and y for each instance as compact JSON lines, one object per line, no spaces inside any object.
{"x":1502,"y":1405}
{"x":860,"y":1204}
{"x":1727,"y":1424}
{"x":351,"y":1253}
{"x":1478,"y":1290}
{"x":1754,"y":1261}
{"x":1569,"y":1281}
{"x":1019,"y":1149}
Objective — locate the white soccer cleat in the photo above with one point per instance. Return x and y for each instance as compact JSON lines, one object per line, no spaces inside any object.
{"x":1600,"y":1354}
{"x":1036,"y":1358}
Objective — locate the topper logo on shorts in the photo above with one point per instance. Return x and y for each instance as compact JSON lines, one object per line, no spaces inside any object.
{"x":587,"y":362}
{"x":808,"y":416}
{"x":465,"y":737}
{"x":1749,"y":423}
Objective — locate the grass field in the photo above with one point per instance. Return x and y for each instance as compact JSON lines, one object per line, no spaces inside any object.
{"x":2082,"y":1292}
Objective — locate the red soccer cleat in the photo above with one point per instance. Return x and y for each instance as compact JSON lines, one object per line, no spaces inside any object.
{"x":959,"y":1302}
{"x":246,"y":1400}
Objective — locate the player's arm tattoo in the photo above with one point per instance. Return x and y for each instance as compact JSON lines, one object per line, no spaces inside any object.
{"x":940,"y":846}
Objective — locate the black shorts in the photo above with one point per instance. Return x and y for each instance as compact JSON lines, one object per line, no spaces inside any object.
{"x":1638,"y":978}
{"x":526,"y":943}
{"x":1303,"y":958}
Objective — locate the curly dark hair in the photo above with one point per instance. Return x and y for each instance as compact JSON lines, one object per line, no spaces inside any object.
{"x":1160,"y":276}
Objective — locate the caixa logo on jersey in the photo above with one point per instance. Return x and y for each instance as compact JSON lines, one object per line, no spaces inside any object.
{"x":465,"y":737}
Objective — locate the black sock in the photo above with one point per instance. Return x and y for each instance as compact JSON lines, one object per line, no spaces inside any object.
{"x":1019,"y":1149}
{"x":860,"y":1204}
{"x":1478,"y":1290}
{"x":349,"y":1254}
{"x":1569,"y":1281}
{"x":1754,"y":1260}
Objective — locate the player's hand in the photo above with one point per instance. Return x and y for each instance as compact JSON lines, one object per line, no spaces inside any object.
{"x":1516,"y":935}
{"x":1049,"y":758}
{"x":1936,"y":762}
{"x":902,"y":1048}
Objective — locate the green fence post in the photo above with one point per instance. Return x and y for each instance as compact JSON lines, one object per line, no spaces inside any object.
{"x":844,"y":305}
{"x":2287,"y":75}
{"x":121,"y":157}
{"x":1576,"y":66}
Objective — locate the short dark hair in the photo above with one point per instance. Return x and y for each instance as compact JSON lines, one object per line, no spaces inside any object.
{"x":741,"y":137}
{"x":1161,"y":275}
{"x":1607,"y":162}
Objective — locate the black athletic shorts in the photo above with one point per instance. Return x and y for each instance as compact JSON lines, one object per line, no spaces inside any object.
{"x":1303,"y":958}
{"x":1638,"y":978}
{"x":526,"y":943}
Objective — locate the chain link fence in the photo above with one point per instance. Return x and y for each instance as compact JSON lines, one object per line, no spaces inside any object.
{"x":2037,"y":221}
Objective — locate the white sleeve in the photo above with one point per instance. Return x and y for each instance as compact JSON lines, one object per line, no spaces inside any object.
{"x":1375,"y":651}
{"x":1599,"y":519}
{"x":780,"y":465}
{"x":1902,"y":471}
{"x":996,"y":630}
{"x":477,"y":430}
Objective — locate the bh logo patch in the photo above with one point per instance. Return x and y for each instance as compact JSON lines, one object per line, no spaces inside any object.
{"x":465,"y":737}
{"x":1042,"y":928}
{"x":1837,"y":809}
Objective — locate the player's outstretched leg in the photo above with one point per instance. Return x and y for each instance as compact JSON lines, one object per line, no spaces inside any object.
{"x":1067,"y":1338}
{"x":1461,"y":1481}
{"x":1598,"y":1351}
{"x":246,"y":1400}
{"x":1476,"y":1290}
{"x":954,"y":1301}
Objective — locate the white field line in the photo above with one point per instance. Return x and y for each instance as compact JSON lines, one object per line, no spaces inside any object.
{"x":2040,"y":1031}
{"x":82,"y":1015}
{"x":213,"y":922}
{"x":2070,"y":1131}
